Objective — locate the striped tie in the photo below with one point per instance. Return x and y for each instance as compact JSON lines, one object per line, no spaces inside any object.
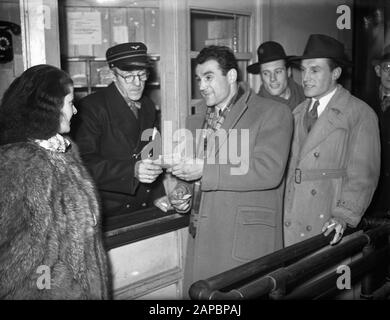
{"x":312,"y":115}
{"x":134,"y":106}
{"x":385,"y":103}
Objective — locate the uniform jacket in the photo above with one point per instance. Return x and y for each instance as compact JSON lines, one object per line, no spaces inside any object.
{"x":108,"y":136}
{"x":240,"y":216}
{"x":334,"y":170}
{"x":49,"y":218}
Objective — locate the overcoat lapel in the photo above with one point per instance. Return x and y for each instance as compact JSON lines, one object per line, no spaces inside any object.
{"x":333,"y":118}
{"x":232,"y":118}
{"x":300,"y":127}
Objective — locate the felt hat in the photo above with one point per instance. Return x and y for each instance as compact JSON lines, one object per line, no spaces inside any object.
{"x":267,"y":52}
{"x":323,"y":46}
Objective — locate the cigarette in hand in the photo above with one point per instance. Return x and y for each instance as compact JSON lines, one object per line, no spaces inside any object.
{"x":331,"y":225}
{"x":154,"y":133}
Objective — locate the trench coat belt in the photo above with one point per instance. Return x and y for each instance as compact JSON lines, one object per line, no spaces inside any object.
{"x":318,"y":174}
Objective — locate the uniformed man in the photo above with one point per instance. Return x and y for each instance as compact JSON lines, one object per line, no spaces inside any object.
{"x":381,"y":105}
{"x":275,"y":73}
{"x":109,"y":134}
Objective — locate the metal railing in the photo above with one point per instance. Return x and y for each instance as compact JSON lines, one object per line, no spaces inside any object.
{"x":283,"y":274}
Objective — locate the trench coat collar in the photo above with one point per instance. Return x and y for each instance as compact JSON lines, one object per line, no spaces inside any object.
{"x":335,"y":116}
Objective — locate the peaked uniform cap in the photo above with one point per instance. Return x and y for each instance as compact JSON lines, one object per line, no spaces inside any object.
{"x":127,"y":56}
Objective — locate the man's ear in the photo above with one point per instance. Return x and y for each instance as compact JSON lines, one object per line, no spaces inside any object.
{"x":289,"y":72}
{"x":232,"y":75}
{"x":377,"y":69}
{"x":336,"y":73}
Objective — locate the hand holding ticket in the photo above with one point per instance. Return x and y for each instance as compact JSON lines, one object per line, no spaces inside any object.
{"x":167,"y":161}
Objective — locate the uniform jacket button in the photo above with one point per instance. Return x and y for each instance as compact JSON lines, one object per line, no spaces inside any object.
{"x":316,"y":154}
{"x":308,"y":228}
{"x":147,"y":190}
{"x":313,"y":192}
{"x":128,"y":205}
{"x":287,"y":223}
{"x":144,"y":204}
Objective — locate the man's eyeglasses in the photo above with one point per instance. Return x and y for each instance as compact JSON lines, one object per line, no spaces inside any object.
{"x":386,"y":67}
{"x":131,"y":77}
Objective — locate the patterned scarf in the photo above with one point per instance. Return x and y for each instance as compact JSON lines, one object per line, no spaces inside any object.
{"x":56,"y":143}
{"x":214,"y":119}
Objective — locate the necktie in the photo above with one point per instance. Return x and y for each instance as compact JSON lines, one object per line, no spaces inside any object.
{"x":312,"y":115}
{"x":385,"y":103}
{"x":134,"y":106}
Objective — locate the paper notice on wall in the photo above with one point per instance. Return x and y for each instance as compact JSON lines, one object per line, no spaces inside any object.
{"x":120,"y":34}
{"x":84,"y":28}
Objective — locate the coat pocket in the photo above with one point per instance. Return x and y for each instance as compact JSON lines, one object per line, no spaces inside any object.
{"x":254,"y":233}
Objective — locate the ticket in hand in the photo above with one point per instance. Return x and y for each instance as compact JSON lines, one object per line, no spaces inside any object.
{"x":167,"y":161}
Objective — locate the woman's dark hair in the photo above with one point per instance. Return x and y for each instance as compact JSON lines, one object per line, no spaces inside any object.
{"x":223,"y":55}
{"x":31,"y":106}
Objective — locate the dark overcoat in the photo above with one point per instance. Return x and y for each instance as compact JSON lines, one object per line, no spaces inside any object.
{"x":381,"y":199}
{"x":109,"y":135}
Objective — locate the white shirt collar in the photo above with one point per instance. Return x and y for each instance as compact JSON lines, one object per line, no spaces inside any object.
{"x":323,"y":101}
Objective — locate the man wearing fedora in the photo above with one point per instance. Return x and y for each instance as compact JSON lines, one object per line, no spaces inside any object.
{"x":109,"y":134}
{"x":335,"y":157}
{"x":381,"y":105}
{"x":275,"y":74}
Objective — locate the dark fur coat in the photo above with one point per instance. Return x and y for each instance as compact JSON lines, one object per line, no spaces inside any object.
{"x":49,"y":216}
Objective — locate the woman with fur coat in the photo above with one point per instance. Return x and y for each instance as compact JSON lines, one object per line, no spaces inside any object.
{"x":50,"y":235}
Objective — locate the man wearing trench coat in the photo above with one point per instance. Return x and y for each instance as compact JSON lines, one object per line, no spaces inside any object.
{"x":237,"y":214}
{"x":335,"y":160}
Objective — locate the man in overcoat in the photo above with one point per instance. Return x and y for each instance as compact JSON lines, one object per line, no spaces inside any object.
{"x":381,"y":104}
{"x":237,"y":213}
{"x":335,"y":157}
{"x":276,"y":77}
{"x":109,"y":135}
